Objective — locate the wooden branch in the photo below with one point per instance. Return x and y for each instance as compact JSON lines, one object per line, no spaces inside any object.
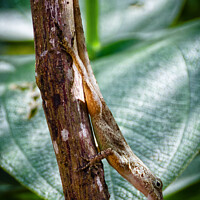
{"x":63,"y":100}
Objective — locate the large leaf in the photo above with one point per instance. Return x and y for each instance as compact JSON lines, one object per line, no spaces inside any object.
{"x":116,"y":17}
{"x":154,"y":94}
{"x":15,"y":25}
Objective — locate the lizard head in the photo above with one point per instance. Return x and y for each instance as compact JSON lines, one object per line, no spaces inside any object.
{"x":150,"y":186}
{"x":143,"y":180}
{"x":155,"y":189}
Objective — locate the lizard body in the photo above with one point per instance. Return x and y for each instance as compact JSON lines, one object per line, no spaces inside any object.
{"x":109,"y":137}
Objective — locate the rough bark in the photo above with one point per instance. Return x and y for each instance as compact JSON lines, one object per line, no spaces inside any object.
{"x":65,"y":109}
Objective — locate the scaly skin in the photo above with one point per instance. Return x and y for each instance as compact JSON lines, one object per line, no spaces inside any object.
{"x":110,"y":139}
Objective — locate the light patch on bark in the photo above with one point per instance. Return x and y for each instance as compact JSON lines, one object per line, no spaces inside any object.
{"x":83,"y":131}
{"x":44,"y":53}
{"x":53,"y":29}
{"x":77,"y":91}
{"x":99,"y":184}
{"x":65,"y":135}
{"x":55,"y":146}
{"x":70,"y":74}
{"x":52,"y":41}
{"x":46,"y":103}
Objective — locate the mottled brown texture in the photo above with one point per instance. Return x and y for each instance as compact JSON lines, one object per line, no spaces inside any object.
{"x":63,"y":100}
{"x":109,"y":136}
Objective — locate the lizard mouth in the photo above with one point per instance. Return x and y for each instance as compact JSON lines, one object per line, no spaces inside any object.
{"x":149,"y":197}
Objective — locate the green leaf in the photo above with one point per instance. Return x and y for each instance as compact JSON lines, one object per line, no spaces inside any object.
{"x":10,"y":189}
{"x":191,"y":193}
{"x":120,"y":17}
{"x":15,"y":4}
{"x":116,"y":17}
{"x":189,"y":180}
{"x":187,"y":185}
{"x":16,"y":25}
{"x":153,"y":91}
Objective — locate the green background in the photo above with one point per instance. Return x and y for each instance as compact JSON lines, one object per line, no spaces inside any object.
{"x":145,"y":56}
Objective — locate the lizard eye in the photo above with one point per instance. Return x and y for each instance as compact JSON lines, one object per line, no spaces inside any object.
{"x":158,"y":183}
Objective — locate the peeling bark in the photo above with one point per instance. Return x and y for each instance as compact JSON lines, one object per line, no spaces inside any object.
{"x":64,"y":105}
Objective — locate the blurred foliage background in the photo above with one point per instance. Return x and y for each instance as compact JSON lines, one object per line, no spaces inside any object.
{"x":19,"y":41}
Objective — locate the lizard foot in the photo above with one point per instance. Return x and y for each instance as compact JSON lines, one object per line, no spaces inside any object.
{"x":95,"y":161}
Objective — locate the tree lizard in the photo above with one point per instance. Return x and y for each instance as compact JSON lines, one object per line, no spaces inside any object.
{"x":110,"y":140}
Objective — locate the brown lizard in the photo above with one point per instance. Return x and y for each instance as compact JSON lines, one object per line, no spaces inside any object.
{"x":110,"y":140}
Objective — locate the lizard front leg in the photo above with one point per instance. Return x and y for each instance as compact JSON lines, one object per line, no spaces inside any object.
{"x":96,"y":159}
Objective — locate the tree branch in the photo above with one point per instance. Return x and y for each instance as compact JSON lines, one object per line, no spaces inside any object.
{"x":64,"y":105}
